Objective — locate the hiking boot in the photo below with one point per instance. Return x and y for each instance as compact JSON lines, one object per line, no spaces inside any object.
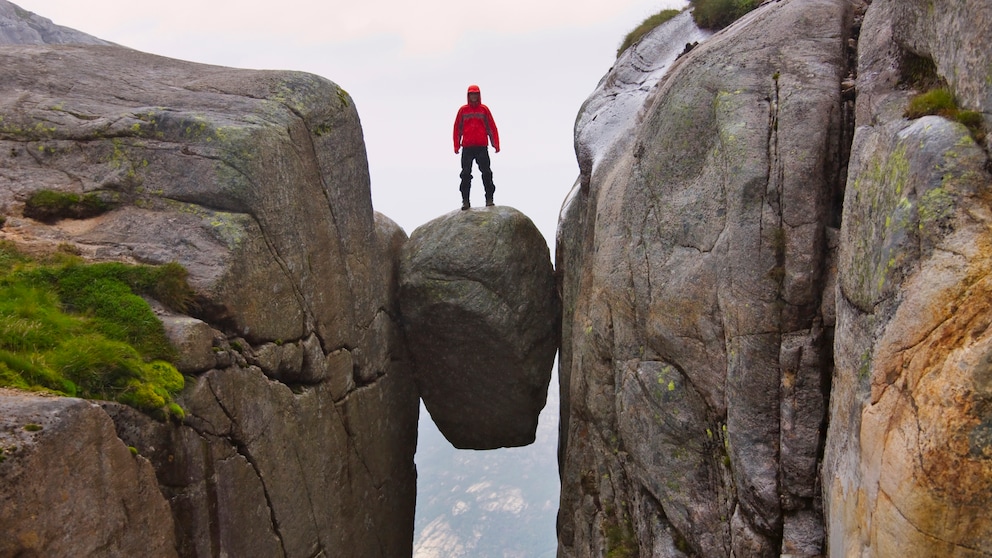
{"x":489,"y":202}
{"x":466,"y":205}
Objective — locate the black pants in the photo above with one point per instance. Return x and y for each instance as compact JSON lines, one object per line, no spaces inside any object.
{"x":481,"y":156}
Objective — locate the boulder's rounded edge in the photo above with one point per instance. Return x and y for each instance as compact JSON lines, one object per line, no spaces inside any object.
{"x":480,"y":313}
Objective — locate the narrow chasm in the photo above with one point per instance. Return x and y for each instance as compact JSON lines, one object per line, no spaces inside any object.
{"x":845,"y":132}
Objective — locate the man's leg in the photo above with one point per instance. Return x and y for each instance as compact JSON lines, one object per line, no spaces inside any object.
{"x":487,"y":175}
{"x":466,"y":176}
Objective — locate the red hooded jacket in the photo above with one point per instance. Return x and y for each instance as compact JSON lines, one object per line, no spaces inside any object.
{"x":474,"y":124}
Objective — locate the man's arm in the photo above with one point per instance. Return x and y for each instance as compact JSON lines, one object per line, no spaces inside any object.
{"x":457,"y":132}
{"x":493,"y":131}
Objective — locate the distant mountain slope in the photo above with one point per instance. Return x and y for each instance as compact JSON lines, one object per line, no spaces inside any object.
{"x":21,"y":27}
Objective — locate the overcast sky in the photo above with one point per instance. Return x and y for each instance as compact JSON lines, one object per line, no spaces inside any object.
{"x":407,"y":65}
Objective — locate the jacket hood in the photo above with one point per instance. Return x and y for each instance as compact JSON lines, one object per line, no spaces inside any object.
{"x":473,"y":89}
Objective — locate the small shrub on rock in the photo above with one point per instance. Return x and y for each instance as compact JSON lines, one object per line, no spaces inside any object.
{"x":717,"y":14}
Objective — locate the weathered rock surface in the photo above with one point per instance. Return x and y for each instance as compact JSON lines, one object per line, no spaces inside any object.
{"x":617,"y":105}
{"x":705,"y":284}
{"x":195,"y":342}
{"x":480,"y":314}
{"x":189,"y":151}
{"x":21,"y":27}
{"x":602,"y":133}
{"x":70,"y":487}
{"x":697,"y":347}
{"x":908,"y":464}
{"x":261,"y":470}
{"x":300,"y":434}
{"x":951,"y":36}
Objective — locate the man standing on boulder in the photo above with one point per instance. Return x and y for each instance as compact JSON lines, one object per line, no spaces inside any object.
{"x":474,"y":127}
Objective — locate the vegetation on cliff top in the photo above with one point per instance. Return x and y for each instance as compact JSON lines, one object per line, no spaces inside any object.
{"x":717,"y":14}
{"x":81,"y":329}
{"x":708,"y":14}
{"x":645,"y":27}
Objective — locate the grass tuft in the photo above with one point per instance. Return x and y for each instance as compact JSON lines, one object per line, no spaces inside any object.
{"x":646,"y":27}
{"x":79,"y":329}
{"x":940,"y":102}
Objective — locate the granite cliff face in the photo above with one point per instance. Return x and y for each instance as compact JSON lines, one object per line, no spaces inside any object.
{"x":698,"y":346}
{"x":908,"y":463}
{"x":764,"y":351}
{"x":300,"y":424}
{"x":61,"y":455}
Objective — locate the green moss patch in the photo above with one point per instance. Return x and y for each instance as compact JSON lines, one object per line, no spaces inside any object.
{"x":937,"y":101}
{"x":81,"y":329}
{"x":50,"y":206}
{"x":621,"y":542}
{"x":940,"y":102}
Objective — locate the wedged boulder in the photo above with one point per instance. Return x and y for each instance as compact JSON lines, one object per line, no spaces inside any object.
{"x":70,"y":487}
{"x":908,"y":463}
{"x":480,"y":313}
